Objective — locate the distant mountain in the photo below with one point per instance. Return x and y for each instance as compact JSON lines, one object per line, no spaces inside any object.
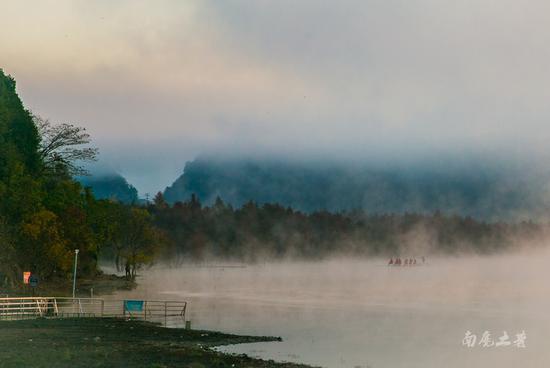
{"x":111,"y":186}
{"x":486,"y":191}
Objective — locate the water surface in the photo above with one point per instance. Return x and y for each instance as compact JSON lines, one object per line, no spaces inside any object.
{"x":362,"y":313}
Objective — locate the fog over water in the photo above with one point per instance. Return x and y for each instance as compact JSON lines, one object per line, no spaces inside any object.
{"x":363,"y":313}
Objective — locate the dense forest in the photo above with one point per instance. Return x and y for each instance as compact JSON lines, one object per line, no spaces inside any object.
{"x":254,"y":232}
{"x":486,"y":189}
{"x":45,"y":214}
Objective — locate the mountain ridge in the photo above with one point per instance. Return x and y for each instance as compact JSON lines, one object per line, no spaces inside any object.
{"x":483,"y":191}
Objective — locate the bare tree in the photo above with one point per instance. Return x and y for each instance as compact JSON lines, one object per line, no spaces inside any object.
{"x":62,"y":145}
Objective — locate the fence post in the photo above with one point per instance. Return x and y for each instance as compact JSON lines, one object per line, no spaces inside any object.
{"x":102,"y":306}
{"x":165,"y":305}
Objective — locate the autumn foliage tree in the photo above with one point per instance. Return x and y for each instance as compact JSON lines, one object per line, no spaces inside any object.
{"x":138,"y":241}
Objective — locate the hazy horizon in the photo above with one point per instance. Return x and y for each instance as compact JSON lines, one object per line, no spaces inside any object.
{"x":159,"y":83}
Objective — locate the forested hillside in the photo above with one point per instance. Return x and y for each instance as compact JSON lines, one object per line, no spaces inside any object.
{"x":44,"y":213}
{"x":482,"y":189}
{"x":111,"y":186}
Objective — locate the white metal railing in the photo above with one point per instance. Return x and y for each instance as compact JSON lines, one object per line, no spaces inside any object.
{"x":168,"y":313}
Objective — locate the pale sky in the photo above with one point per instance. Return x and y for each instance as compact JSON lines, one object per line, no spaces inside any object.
{"x":158,"y":82}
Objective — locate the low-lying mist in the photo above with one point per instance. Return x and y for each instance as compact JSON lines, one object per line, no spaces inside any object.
{"x":360,"y":312}
{"x":518,"y":277}
{"x":254,"y":233}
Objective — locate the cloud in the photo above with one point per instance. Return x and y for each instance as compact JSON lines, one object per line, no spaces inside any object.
{"x":347,"y":78}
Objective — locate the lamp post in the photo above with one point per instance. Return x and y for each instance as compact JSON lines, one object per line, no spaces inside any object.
{"x":74,"y":273}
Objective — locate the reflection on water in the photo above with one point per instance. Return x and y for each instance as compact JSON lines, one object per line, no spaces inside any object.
{"x":351,"y":313}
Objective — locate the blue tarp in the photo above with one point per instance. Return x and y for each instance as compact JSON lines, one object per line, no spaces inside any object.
{"x":133,"y":305}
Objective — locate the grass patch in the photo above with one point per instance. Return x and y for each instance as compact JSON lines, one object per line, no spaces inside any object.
{"x":101,"y":283}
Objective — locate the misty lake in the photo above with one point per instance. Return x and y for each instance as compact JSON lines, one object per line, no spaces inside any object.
{"x":363,"y":313}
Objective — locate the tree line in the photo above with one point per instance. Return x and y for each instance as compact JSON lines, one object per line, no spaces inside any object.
{"x":253,"y":232}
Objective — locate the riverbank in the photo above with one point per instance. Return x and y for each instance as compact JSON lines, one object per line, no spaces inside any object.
{"x":100,"y":284}
{"x":110,"y":343}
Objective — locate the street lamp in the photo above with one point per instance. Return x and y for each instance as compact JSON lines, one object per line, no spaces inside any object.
{"x":74,"y":273}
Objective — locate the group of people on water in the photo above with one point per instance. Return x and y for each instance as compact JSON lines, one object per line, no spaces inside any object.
{"x":404,"y":262}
